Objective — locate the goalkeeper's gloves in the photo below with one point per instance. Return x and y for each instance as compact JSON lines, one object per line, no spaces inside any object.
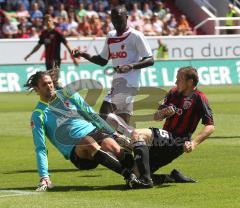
{"x":44,"y":184}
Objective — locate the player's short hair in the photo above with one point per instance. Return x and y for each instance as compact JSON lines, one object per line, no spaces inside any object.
{"x":120,"y":9}
{"x":190,"y":73}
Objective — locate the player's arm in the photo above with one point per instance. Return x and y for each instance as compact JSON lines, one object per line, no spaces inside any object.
{"x":90,"y":115}
{"x":96,"y":59}
{"x":100,"y":59}
{"x":33,"y":51}
{"x":201,"y":136}
{"x":164,"y":110}
{"x":38,"y":132}
{"x":207,"y":121}
{"x":70,"y":51}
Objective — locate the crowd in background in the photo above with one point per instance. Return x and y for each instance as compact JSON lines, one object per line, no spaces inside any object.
{"x":76,"y":18}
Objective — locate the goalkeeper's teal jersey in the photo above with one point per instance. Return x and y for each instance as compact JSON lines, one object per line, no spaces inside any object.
{"x":64,"y":121}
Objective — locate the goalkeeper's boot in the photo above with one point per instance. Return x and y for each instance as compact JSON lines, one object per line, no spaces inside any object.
{"x":180,"y":178}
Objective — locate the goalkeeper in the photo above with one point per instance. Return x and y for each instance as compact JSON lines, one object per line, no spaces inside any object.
{"x":74,"y":129}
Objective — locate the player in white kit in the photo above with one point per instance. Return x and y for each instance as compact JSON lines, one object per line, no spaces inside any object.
{"x":129,"y":51}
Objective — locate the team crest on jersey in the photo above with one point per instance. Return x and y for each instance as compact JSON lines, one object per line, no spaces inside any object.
{"x":187,"y":104}
{"x":67,"y":103}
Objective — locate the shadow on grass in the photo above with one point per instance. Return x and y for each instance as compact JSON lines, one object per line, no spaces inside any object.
{"x":118,"y":187}
{"x":224,"y":137}
{"x":52,"y":170}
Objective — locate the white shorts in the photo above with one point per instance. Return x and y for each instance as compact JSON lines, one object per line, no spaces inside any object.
{"x":122,"y":96}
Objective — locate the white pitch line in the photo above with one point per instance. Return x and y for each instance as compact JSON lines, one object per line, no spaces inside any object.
{"x":16,"y":193}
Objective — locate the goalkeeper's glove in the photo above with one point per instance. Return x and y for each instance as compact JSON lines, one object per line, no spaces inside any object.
{"x":44,"y":184}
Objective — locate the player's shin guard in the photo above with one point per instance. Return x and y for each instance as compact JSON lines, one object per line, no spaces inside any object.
{"x":110,"y":162}
{"x":141,"y":153}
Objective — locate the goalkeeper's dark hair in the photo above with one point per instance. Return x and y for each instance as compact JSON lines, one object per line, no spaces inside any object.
{"x":33,"y":80}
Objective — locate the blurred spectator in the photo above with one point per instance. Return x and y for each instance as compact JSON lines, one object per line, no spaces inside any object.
{"x":69,"y":16}
{"x":72,"y":24}
{"x":171,"y":25}
{"x":61,"y":11}
{"x":147,"y":27}
{"x":9,"y":29}
{"x":101,"y":12}
{"x":136,"y":11}
{"x":162,"y":50}
{"x":160,"y":9}
{"x":21,"y":11}
{"x":11,"y":14}
{"x":107,"y":25}
{"x":2,"y":21}
{"x":13,"y":4}
{"x":34,"y":33}
{"x":96,"y":26}
{"x":22,"y":32}
{"x":184,"y":26}
{"x":84,"y":27}
{"x":35,"y":12}
{"x":157,"y":24}
{"x":50,"y":11}
{"x":41,"y":4}
{"x":62,"y":25}
{"x":134,"y":21}
{"x":90,"y":11}
{"x":231,"y":13}
{"x":146,"y":10}
{"x":81,"y":12}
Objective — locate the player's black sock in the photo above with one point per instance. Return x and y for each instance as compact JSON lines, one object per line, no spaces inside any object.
{"x":141,"y":154}
{"x":111,"y":163}
{"x":126,"y":159}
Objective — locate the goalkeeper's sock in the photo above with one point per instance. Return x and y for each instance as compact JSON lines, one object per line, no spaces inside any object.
{"x":111,"y":163}
{"x":141,"y":154}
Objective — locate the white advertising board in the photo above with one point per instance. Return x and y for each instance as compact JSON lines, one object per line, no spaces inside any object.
{"x":13,"y":51}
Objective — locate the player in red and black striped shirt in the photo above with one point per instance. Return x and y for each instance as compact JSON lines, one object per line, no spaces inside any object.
{"x":183,"y":107}
{"x":51,"y":38}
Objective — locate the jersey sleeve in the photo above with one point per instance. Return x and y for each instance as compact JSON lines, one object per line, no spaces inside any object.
{"x":207,"y":116}
{"x":165,"y":102}
{"x":143,"y":46}
{"x":105,"y":51}
{"x":41,"y":39}
{"x":90,"y":115}
{"x":38,"y":132}
{"x":61,"y":37}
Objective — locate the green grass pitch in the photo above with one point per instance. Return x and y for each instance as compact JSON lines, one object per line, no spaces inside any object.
{"x":215,"y":164}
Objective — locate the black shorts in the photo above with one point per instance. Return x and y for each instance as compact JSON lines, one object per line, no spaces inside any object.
{"x":86,"y":164}
{"x":54,"y":63}
{"x":164,"y":149}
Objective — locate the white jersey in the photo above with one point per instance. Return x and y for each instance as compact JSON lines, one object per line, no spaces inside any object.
{"x":128,"y":48}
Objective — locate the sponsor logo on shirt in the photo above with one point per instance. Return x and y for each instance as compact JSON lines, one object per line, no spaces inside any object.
{"x":119,"y":54}
{"x":187,"y":104}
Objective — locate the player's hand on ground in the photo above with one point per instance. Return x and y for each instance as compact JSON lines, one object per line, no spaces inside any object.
{"x":189,"y":146}
{"x":124,"y":68}
{"x":45,"y":183}
{"x":76,"y":53}
{"x":164,"y":113}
